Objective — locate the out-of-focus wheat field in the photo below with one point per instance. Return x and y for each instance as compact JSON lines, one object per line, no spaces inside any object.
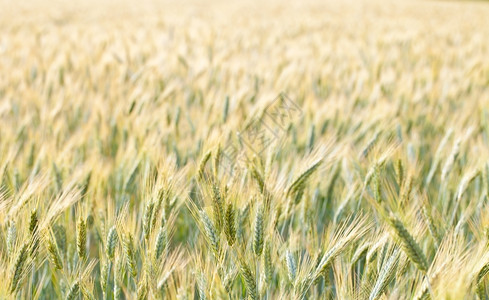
{"x":231,"y":149}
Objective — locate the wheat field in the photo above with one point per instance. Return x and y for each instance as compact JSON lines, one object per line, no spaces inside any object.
{"x":244,"y":150}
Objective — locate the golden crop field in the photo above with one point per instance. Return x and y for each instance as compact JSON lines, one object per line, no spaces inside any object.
{"x":232,"y":149}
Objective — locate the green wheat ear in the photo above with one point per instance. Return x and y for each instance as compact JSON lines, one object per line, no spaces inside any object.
{"x":258,"y":178}
{"x":217,"y":207}
{"x":249,"y":279}
{"x":217,"y":160}
{"x":148,"y":215}
{"x":210,"y":232}
{"x":482,"y":273}
{"x":119,"y":271}
{"x":230,"y":224}
{"x":258,"y":232}
{"x":359,"y":253}
{"x":480,"y":285}
{"x":409,"y":245}
{"x":142,"y":290}
{"x":386,"y":275}
{"x":161,"y":242}
{"x":54,"y":256}
{"x":33,"y":226}
{"x":19,"y":267}
{"x":202,"y":285}
{"x":81,"y":240}
{"x":111,"y":244}
{"x":297,"y":185}
{"x":202,"y":164}
{"x":267,"y":263}
{"x":74,"y":291}
{"x":129,"y":253}
{"x":33,"y":222}
{"x":104,"y":277}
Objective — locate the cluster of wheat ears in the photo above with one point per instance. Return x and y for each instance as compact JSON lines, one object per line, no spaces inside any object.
{"x":115,"y":122}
